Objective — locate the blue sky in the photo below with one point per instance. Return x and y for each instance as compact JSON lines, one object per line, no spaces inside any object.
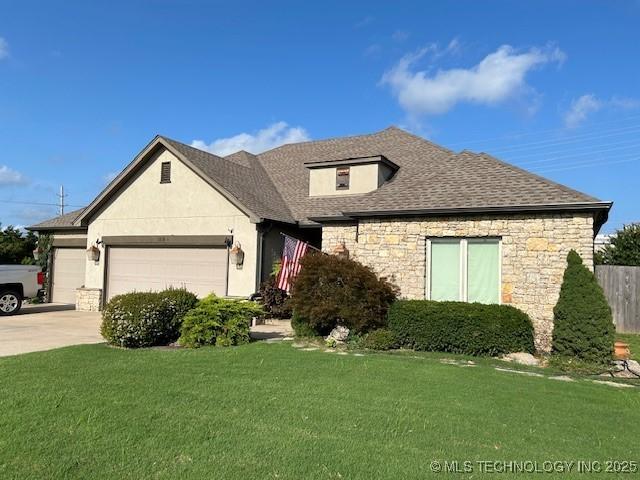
{"x":551,"y":86}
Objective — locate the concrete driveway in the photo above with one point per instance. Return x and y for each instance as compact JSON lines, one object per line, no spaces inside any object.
{"x":47,"y":326}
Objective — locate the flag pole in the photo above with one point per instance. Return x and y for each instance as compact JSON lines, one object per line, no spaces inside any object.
{"x":298,"y":240}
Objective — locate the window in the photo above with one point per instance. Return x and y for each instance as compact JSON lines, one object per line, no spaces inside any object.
{"x":342,"y":178}
{"x":165,"y":172}
{"x":464,"y":269}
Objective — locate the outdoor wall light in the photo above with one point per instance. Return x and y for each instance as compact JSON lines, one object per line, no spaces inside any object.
{"x":93,"y":253}
{"x":236,"y":255}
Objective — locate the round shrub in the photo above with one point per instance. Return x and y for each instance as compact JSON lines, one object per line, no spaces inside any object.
{"x":583,"y":325}
{"x":332,"y":290}
{"x":380,"y":339}
{"x":218,"y":321}
{"x":180,"y":301}
{"x":144,"y":319}
{"x":456,"y":327}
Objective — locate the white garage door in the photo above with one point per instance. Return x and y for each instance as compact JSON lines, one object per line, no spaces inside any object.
{"x":68,"y":273}
{"x":199,"y":270}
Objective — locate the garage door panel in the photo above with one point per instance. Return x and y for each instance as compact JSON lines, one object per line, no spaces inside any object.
{"x":199,"y":270}
{"x":68,"y":274}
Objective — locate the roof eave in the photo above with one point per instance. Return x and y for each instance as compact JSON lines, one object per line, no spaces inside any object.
{"x":38,"y":228}
{"x":567,"y":207}
{"x":353,"y":161}
{"x":559,"y":207}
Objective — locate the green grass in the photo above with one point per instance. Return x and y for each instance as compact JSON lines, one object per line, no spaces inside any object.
{"x":633,"y":339}
{"x":271,"y":411}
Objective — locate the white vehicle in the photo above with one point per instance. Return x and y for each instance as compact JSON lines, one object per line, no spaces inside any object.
{"x":18,"y":282}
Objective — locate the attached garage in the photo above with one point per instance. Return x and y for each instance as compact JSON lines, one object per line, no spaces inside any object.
{"x":201,"y":270}
{"x":68,"y":273}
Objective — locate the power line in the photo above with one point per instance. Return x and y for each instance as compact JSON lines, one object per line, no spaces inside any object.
{"x":573,"y":149}
{"x":568,"y":140}
{"x":584,"y":154}
{"x":17,"y":202}
{"x":538,"y":132}
{"x":586,"y":165}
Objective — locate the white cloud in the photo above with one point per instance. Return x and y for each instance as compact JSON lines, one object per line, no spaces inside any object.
{"x":4,"y":48}
{"x":580,"y":110}
{"x":270,"y":137}
{"x":501,"y":75}
{"x":9,"y":176}
{"x":363,"y":22}
{"x":400,"y":36}
{"x":588,"y":104}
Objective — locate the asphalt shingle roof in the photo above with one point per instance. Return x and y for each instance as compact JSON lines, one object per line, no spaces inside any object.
{"x":275,"y":184}
{"x":61,"y":221}
{"x":430,"y":177}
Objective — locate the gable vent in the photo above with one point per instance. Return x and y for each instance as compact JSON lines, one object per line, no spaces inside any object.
{"x":165,"y":172}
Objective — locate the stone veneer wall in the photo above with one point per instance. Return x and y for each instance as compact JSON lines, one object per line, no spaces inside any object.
{"x":88,"y":299}
{"x":534,"y":250}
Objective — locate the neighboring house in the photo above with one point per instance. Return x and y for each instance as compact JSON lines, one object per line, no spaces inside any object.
{"x":601,"y":241}
{"x":442,"y":225}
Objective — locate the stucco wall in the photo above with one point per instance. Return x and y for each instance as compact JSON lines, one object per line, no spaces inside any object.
{"x":534,"y":250}
{"x":362,"y":179}
{"x":186,"y":206}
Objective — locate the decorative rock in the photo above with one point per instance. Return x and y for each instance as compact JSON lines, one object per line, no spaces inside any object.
{"x":522,"y":358}
{"x":339,"y":334}
{"x":624,"y":369}
{"x":521,"y":372}
{"x":634,"y":367}
{"x":562,"y":378}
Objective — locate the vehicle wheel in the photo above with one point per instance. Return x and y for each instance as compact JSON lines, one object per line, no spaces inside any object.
{"x":10,"y":302}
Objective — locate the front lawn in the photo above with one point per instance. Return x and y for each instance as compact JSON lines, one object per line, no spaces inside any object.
{"x":271,"y":411}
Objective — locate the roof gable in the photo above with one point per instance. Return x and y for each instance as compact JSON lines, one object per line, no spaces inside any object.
{"x":223,"y":175}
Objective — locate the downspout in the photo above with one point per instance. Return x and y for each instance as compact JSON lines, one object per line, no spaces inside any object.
{"x":259,"y":254}
{"x":263,"y":229}
{"x":228,"y":242}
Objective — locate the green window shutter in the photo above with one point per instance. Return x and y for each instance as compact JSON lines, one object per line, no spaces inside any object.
{"x":483,"y":271}
{"x":445,"y":270}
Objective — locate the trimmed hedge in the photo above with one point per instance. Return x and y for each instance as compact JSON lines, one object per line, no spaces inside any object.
{"x":218,"y":321}
{"x":331,"y":291}
{"x":145,"y":319}
{"x":457,"y":327}
{"x":583,"y":325}
{"x":380,"y":339}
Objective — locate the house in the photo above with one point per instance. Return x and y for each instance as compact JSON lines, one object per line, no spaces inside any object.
{"x":442,"y":225}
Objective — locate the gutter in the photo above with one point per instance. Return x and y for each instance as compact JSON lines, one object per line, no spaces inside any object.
{"x":499,"y":209}
{"x":601,"y":210}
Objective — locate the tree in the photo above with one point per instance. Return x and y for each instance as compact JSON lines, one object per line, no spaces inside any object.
{"x":583,"y":326}
{"x":624,"y":248}
{"x":16,"y":247}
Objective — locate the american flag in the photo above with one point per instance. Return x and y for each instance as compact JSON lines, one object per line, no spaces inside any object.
{"x":292,"y":252}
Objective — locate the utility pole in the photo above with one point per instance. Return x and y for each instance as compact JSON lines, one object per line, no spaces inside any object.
{"x":61,"y":196}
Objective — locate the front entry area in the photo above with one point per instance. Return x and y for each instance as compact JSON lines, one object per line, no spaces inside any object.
{"x":201,"y":270}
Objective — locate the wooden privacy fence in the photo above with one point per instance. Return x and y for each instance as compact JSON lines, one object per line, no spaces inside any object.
{"x":621,"y":285}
